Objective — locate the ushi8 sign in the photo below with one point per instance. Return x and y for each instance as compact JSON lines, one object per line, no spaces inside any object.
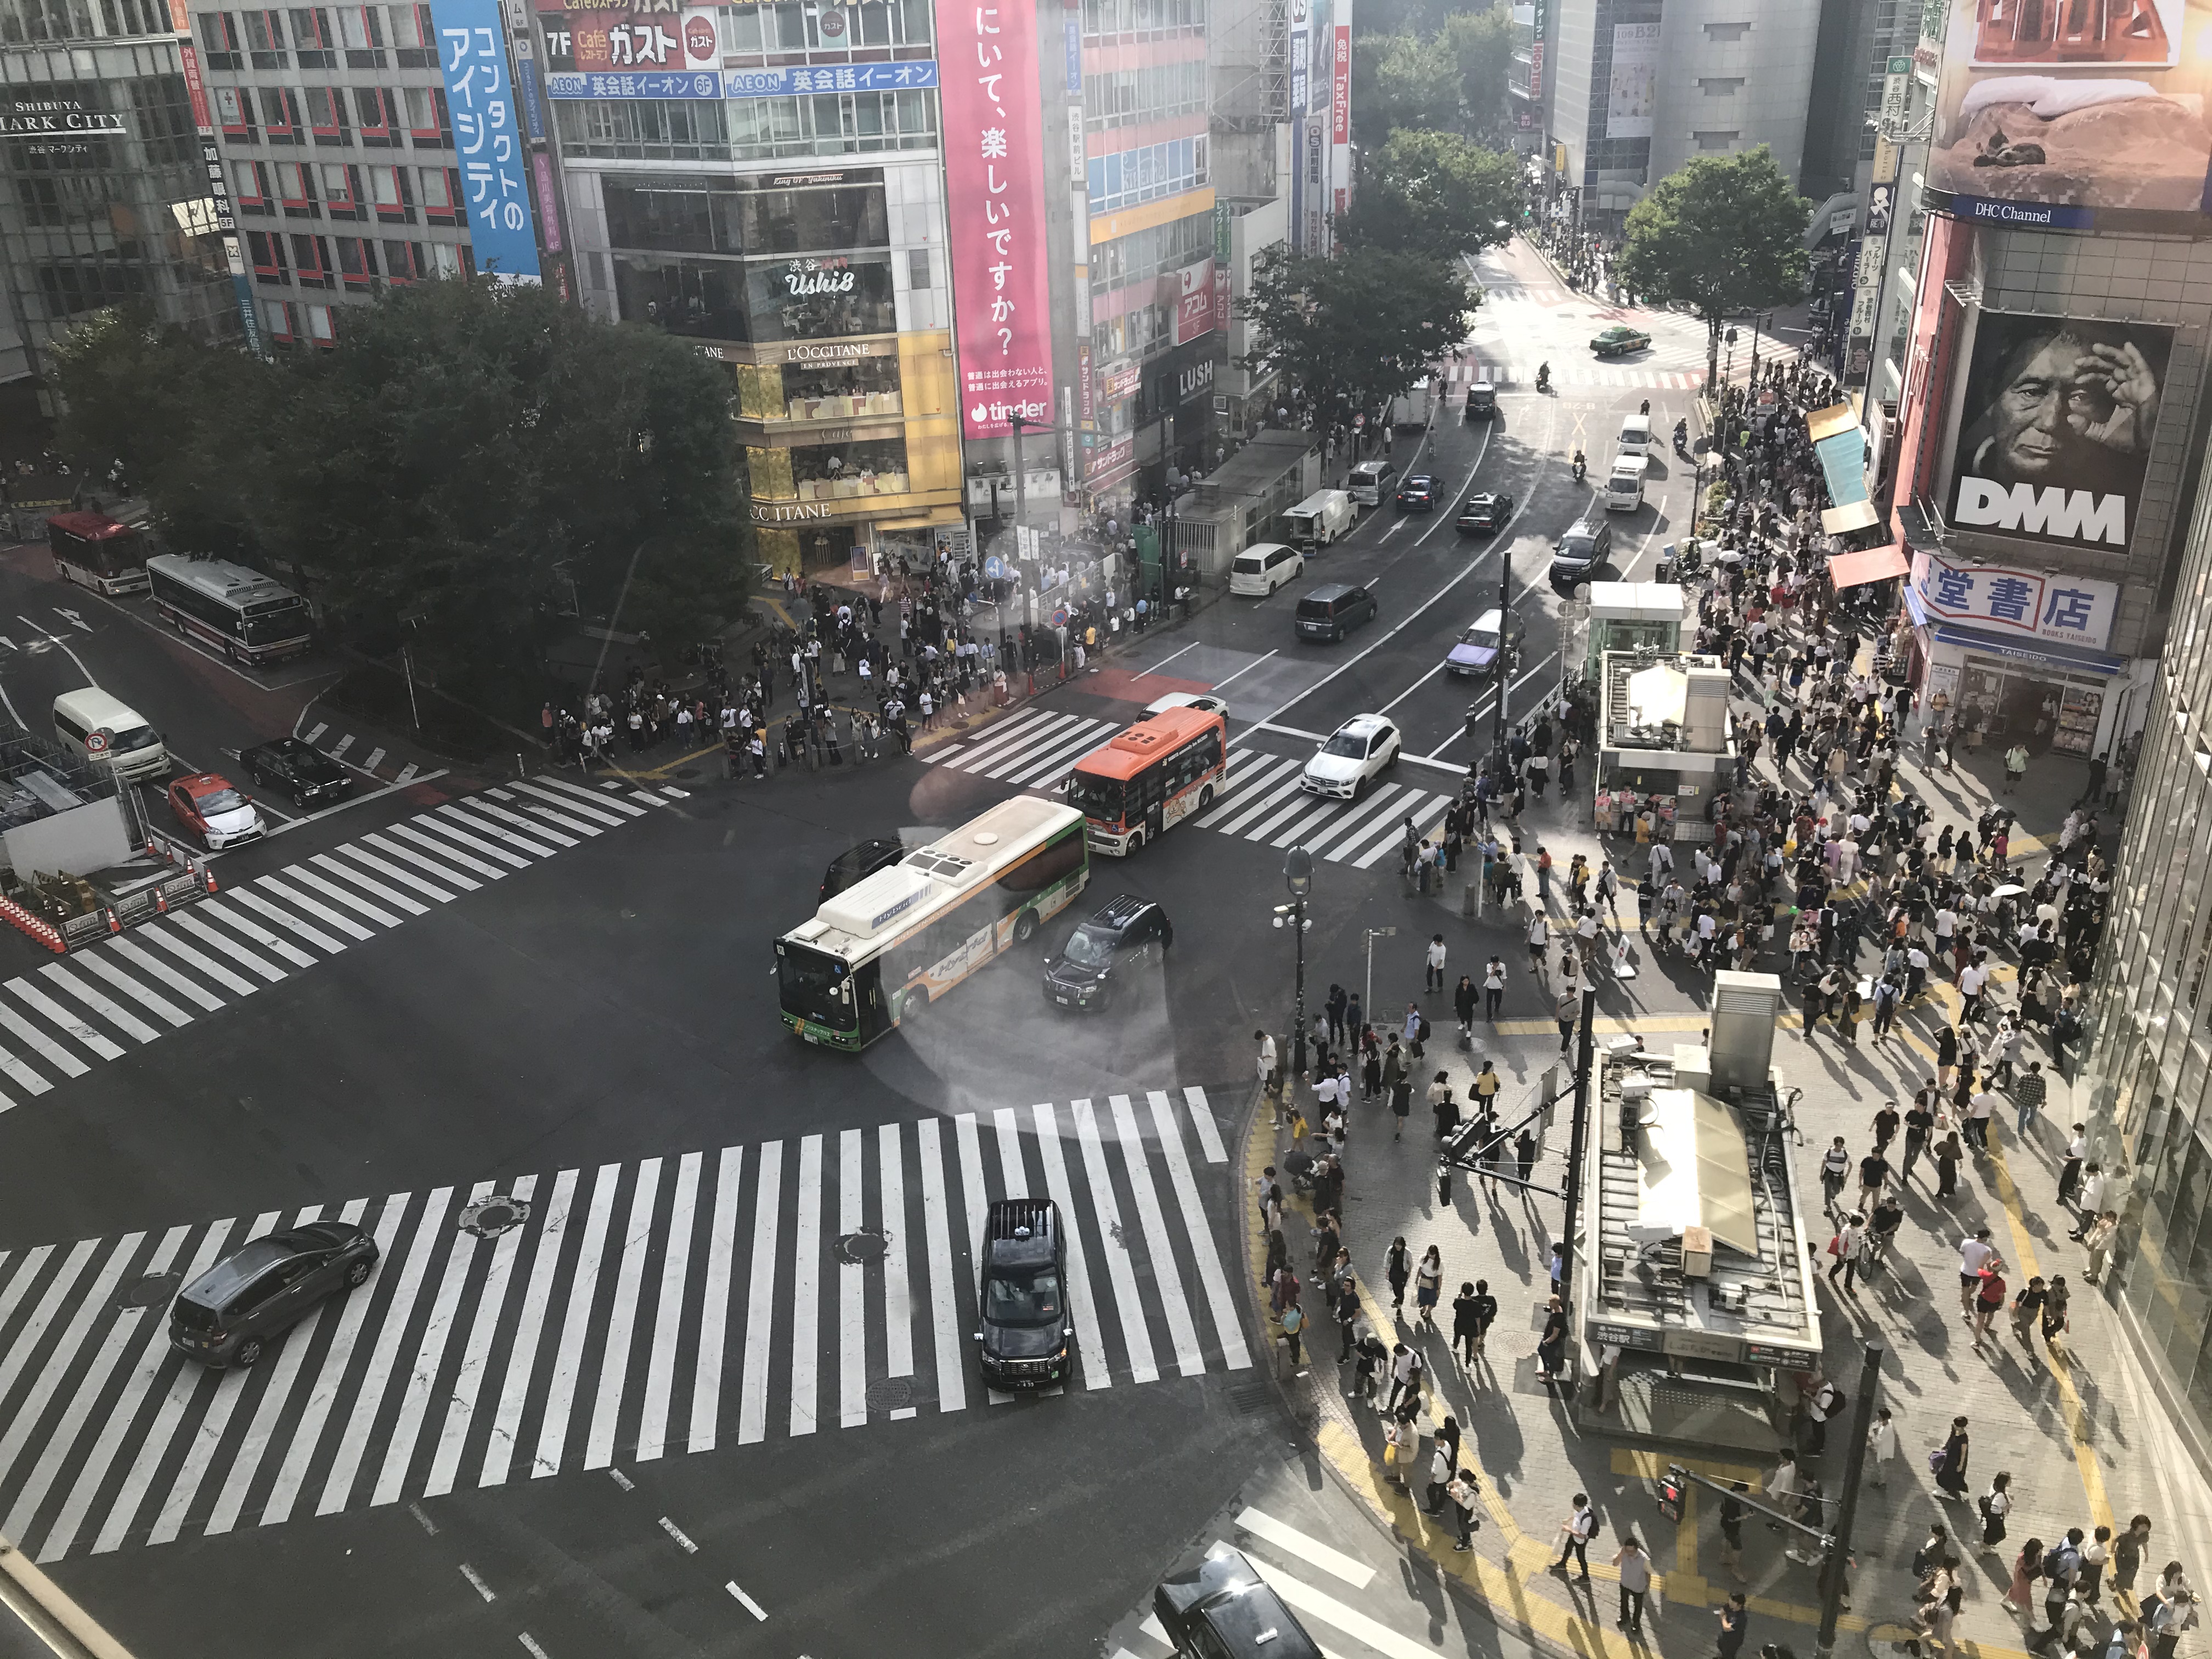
{"x":487,"y":138}
{"x":995,"y":170}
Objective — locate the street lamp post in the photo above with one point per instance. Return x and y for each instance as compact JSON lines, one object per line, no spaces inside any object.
{"x":1297,"y":876}
{"x":1505,"y":670}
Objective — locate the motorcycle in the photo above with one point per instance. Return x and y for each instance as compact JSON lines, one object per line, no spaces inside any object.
{"x":1543,"y":377}
{"x":1581,"y":467}
{"x":1682,"y":438}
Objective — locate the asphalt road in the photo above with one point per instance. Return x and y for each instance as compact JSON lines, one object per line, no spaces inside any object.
{"x":712,"y":1395}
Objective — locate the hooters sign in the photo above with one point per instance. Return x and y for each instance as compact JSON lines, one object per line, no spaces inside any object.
{"x":995,"y":170}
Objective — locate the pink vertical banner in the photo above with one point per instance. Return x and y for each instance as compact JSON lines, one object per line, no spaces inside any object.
{"x":995,"y":167}
{"x":1339,"y":89}
{"x":549,"y":224}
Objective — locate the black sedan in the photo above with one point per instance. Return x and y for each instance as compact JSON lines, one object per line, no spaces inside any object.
{"x":1417,"y":493}
{"x":265,"y":1287}
{"x":1485,"y":513}
{"x":1221,"y":1609}
{"x":303,"y":772}
{"x":1122,"y":934}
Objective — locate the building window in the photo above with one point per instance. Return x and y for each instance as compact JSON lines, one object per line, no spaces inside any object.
{"x":276,"y":321}
{"x":249,"y":186}
{"x":311,"y":258}
{"x":395,"y":203}
{"x":126,"y":18}
{"x":446,"y":258}
{"x":296,"y":190}
{"x":322,"y":326}
{"x":233,"y":113}
{"x":1722,"y":34}
{"x":378,"y":112}
{"x":265,"y":39}
{"x":427,"y":124}
{"x":1720,"y":85}
{"x":414,"y":38}
{"x":404,"y":263}
{"x":439,"y":189}
{"x":360,"y":29}
{"x":266,"y":250}
{"x":341,"y":190}
{"x":917,"y":267}
{"x":313,"y":38}
{"x":1716,"y":140}
{"x":326,"y":114}
{"x":219,"y":40}
{"x":279,"y":115}
{"x":357,"y":261}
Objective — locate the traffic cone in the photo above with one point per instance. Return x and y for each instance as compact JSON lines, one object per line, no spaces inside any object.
{"x":207,"y":874}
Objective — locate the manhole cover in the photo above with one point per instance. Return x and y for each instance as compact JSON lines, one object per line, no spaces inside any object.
{"x":494,"y":1216}
{"x":1251,"y":1399}
{"x":150,"y":1292}
{"x":861,"y":1246}
{"x":893,"y":1393}
{"x":687,"y":771}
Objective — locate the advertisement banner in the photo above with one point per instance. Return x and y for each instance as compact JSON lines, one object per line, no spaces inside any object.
{"x":1633,"y":91}
{"x":567,"y":86}
{"x":1109,"y":464}
{"x":2095,"y":106}
{"x":1120,"y":380}
{"x":2028,"y":604}
{"x":1086,"y":405}
{"x":1339,"y":91}
{"x":1194,"y":301}
{"x":1073,"y":49}
{"x":487,"y":137}
{"x":2056,"y":427}
{"x":702,"y":50}
{"x":994,"y":173}
{"x":549,"y":209}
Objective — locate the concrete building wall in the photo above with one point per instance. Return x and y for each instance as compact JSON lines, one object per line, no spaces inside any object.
{"x":1735,"y":73}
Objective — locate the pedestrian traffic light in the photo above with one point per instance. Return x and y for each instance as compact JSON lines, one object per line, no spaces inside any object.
{"x":1671,"y":1486}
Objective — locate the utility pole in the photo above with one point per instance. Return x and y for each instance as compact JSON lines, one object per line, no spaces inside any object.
{"x":1504,"y":679}
{"x":1839,"y":1544}
{"x":1021,"y":485}
{"x":1578,"y":1130}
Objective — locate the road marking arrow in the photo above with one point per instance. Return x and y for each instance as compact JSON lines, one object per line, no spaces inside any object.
{"x":75,"y":621}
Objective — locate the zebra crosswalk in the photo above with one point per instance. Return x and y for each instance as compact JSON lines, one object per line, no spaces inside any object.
{"x":1263,"y":801}
{"x":553,"y":1321}
{"x":99,"y":1003}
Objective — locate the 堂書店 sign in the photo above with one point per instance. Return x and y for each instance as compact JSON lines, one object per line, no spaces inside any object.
{"x":2026,"y":604}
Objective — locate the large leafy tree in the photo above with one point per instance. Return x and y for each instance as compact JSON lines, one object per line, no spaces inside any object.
{"x":468,"y":461}
{"x":1402,"y":80}
{"x":1481,"y":44}
{"x":1724,"y":235}
{"x":1434,"y":193}
{"x":1354,"y":331}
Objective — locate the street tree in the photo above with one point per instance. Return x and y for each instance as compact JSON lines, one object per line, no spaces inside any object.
{"x":1435,"y":193}
{"x":1724,"y":235}
{"x":1354,"y":331}
{"x":1402,"y":80}
{"x":470,"y":461}
{"x":1481,"y":44}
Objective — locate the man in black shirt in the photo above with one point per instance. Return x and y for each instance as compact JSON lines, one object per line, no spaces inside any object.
{"x":1874,"y":1176}
{"x":1885,"y":1126}
{"x":1732,"y":1513}
{"x":1919,"y":1124}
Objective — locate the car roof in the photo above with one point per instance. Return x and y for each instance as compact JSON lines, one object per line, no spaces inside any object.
{"x":203,"y":783}
{"x":1490,"y":619}
{"x":212,"y":1288}
{"x":1421,"y":478}
{"x":1331,"y":591}
{"x":1120,"y":911}
{"x":1485,"y":498}
{"x":1372,"y":469}
{"x":1022,"y":1232}
{"x":1365,"y":726}
{"x":1484,"y":386}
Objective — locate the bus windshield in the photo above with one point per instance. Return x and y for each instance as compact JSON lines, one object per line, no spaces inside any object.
{"x":1095,"y":797}
{"x":815,"y":986}
{"x":277,"y":622}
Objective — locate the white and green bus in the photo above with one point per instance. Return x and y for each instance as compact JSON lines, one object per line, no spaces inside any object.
{"x":908,"y":934}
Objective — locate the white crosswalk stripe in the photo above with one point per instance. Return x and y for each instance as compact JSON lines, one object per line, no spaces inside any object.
{"x":427,"y":1376}
{"x":59,"y":1020}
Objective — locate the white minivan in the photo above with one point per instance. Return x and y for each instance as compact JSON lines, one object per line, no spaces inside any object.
{"x":133,"y":748}
{"x":1263,"y":568}
{"x":1320,"y":519}
{"x":1636,"y":433}
{"x":1624,"y":485}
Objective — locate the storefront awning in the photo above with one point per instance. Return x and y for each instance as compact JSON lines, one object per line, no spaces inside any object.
{"x":2078,"y":659}
{"x":1842,"y":521}
{"x":1876,"y":564}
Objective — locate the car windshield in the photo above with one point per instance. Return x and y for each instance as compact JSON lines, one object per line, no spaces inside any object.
{"x":1346,"y":742}
{"x":1028,"y":1300}
{"x":1095,"y":797}
{"x":286,"y":619}
{"x":222,"y":800}
{"x":1575,"y":547}
{"x":134,"y":737}
{"x":1088,"y":950}
{"x":1481,"y":637}
{"x":814,"y":986}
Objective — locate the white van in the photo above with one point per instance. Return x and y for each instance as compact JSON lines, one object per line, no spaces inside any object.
{"x":1263,"y":568}
{"x":1371,"y":481}
{"x":1320,"y":519}
{"x":133,"y":748}
{"x":1636,"y":433}
{"x":1624,"y":485}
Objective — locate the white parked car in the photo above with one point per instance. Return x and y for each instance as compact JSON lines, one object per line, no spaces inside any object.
{"x":1360,"y":750}
{"x":1205,"y":702}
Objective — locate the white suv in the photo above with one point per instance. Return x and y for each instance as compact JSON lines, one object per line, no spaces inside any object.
{"x":1362,"y":750}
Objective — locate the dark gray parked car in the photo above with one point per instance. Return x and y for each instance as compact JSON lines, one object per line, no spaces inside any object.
{"x":265,"y":1287}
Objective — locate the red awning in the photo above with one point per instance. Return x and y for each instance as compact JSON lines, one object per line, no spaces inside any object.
{"x":1876,"y":564}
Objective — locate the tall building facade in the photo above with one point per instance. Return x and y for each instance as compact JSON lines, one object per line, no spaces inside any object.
{"x":766,"y":180}
{"x":336,"y":138}
{"x":106,"y":198}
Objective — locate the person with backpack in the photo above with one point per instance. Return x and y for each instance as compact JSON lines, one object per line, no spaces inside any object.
{"x":1828,"y":1403}
{"x":1575,"y":1534}
{"x":1835,"y":1170}
{"x":1994,"y":1504}
{"x":1465,"y":1493}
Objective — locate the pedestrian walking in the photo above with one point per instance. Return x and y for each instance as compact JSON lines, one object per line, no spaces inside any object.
{"x":1472,"y":1311}
{"x":1435,"y":981}
{"x":2095,"y":1554}
{"x":1948,"y":1152}
{"x":1635,"y":1582}
{"x":2029,"y":1090}
{"x":1994,"y":1504}
{"x":1882,"y":1448}
{"x":2027,"y":1568}
{"x":1575,"y":1534}
{"x":1402,"y":1106}
{"x":1398,"y":1268}
{"x":1465,"y":1493}
{"x":1835,"y":1169}
{"x":1463,"y":1006}
{"x":1294,"y":1325}
{"x":1552,"y":1345}
{"x":1494,"y":987}
{"x":1731,"y":1517}
{"x":1989,"y":1299}
{"x":1735,"y":1622}
{"x":2128,"y":1552}
{"x":1949,"y":1464}
{"x":1428,"y":1284}
{"x":1441,"y":1474}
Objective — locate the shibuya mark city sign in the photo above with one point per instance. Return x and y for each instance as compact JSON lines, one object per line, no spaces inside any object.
{"x":995,"y":170}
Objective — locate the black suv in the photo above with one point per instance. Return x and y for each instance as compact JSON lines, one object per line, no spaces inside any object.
{"x":1021,"y":1303}
{"x":1221,"y":1609}
{"x":1582,"y":553}
{"x":265,"y":1287}
{"x":1122,"y":933}
{"x":856,"y":863}
{"x":302,"y":771}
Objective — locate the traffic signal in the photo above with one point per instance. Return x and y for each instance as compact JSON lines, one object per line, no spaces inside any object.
{"x":1671,"y":1486}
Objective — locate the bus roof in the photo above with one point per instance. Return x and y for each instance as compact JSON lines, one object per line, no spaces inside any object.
{"x":93,"y":526}
{"x":1127,"y":753}
{"x":232,"y":584}
{"x":930,"y":878}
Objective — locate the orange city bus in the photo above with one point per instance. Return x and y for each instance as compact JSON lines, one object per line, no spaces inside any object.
{"x":1156,"y":773}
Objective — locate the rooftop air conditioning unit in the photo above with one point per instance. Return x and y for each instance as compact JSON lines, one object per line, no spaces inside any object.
{"x":1745,"y":1008}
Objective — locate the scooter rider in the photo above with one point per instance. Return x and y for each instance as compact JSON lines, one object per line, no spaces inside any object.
{"x":1681,"y":434}
{"x":1544,"y":376}
{"x":1581,"y":467}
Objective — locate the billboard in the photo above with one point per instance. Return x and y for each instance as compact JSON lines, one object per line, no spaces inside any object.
{"x":2027,"y":604}
{"x":995,"y":170}
{"x":2055,"y":427}
{"x":1195,"y":312}
{"x":487,"y":137}
{"x":1632,"y":90}
{"x":2052,"y":115}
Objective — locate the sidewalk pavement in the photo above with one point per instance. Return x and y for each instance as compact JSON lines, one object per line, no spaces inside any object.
{"x":2074,"y":1430}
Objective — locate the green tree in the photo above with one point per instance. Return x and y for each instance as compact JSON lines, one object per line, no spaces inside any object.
{"x":1724,"y":234}
{"x":469,"y":459}
{"x":1354,"y":331}
{"x":1435,"y":193}
{"x":1481,"y":44}
{"x":1402,"y":80}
